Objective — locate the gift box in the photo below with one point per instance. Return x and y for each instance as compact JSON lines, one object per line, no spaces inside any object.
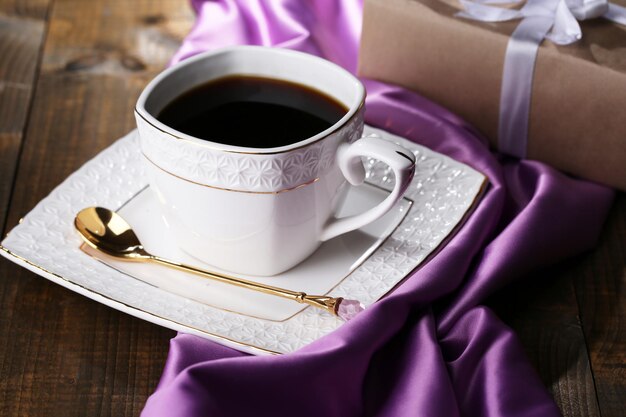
{"x":576,"y":120}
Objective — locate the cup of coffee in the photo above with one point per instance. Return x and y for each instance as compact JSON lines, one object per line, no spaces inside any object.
{"x":250,"y":151}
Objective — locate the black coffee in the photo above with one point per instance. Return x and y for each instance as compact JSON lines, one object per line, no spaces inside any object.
{"x":252,"y":112}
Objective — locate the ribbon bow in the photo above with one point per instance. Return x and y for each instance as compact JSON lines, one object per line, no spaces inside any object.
{"x":556,"y":20}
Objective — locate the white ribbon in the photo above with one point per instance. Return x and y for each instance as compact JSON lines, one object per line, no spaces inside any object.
{"x":556,"y":20}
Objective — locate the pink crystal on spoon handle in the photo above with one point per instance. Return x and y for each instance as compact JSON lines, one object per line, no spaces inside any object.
{"x":348,"y":309}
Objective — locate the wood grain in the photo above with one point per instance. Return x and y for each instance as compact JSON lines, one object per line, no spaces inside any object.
{"x":22,"y":29}
{"x":543,"y":312}
{"x":25,"y":9}
{"x":600,"y":282}
{"x":62,"y":354}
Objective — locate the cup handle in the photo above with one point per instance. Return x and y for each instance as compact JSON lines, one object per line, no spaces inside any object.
{"x":401,"y":161}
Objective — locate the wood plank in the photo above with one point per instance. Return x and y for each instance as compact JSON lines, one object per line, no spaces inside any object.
{"x":22,"y":29}
{"x":600,"y":282}
{"x":62,"y":354}
{"x":26,"y":9}
{"x":543,"y":312}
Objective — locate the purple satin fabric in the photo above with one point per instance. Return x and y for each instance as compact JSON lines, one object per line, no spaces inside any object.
{"x":429,"y":348}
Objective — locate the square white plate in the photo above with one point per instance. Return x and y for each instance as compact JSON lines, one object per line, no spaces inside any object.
{"x":362,"y":265}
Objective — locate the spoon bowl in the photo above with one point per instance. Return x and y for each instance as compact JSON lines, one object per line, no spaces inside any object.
{"x":107,"y":231}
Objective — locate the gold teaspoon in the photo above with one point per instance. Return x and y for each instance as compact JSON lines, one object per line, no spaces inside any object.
{"x":108,"y":232}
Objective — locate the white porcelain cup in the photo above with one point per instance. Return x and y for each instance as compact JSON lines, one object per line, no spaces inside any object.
{"x":261,"y":211}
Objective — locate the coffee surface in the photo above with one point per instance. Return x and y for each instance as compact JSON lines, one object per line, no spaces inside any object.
{"x":252,"y":112}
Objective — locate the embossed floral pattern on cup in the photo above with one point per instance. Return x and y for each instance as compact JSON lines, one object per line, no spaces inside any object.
{"x":242,"y":171}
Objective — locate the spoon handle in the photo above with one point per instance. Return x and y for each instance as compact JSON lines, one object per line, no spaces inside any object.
{"x":329,"y":304}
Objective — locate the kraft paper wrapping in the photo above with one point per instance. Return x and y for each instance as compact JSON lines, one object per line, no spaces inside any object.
{"x":578,"y":108}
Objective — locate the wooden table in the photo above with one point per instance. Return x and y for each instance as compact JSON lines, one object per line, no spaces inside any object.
{"x":70,"y":72}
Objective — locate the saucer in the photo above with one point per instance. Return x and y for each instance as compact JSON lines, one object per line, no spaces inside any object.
{"x":363,"y":265}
